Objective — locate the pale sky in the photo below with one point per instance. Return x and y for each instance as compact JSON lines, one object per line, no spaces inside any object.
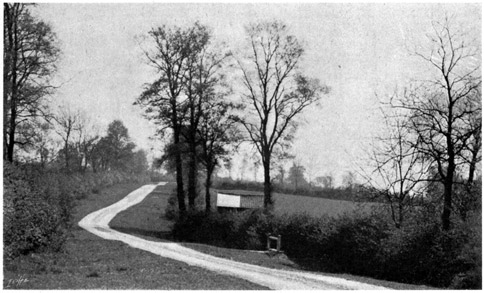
{"x":356,"y":49}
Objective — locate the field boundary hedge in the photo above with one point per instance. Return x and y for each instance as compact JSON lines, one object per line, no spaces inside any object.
{"x":359,"y":244}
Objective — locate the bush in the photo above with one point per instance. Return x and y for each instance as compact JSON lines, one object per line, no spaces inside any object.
{"x":38,"y":204}
{"x":36,"y":213}
{"x":243,"y":230}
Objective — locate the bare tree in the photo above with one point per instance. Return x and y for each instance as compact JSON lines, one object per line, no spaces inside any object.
{"x":275,"y":92}
{"x":399,"y":171}
{"x":440,"y":109}
{"x":29,"y":56}
{"x":68,"y":123}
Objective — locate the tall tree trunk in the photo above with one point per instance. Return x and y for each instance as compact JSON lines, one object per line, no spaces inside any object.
{"x":268,"y":203}
{"x":208,"y":185}
{"x":448,"y":185}
{"x":180,"y":193}
{"x":473,"y":163}
{"x":192,"y":173}
{"x":13,"y":49}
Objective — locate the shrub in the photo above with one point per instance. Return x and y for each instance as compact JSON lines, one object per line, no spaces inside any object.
{"x":351,"y":243}
{"x":36,"y":214}
{"x":38,"y":204}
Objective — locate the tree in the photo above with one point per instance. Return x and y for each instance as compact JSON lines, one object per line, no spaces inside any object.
{"x":326,"y":181}
{"x":349,"y":180}
{"x":216,"y":132}
{"x":29,"y":57}
{"x":163,"y":99}
{"x":439,"y":109}
{"x":296,"y":176}
{"x":275,"y":92}
{"x":120,"y":147}
{"x":68,"y":122}
{"x":203,"y":81}
{"x":138,"y":163}
{"x":398,"y":169}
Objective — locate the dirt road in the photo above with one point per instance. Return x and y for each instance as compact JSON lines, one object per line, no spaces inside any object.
{"x":97,"y":223}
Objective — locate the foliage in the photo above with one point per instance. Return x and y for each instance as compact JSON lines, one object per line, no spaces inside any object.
{"x":233,"y":230}
{"x":33,"y":218}
{"x":38,"y":204}
{"x":30,"y":52}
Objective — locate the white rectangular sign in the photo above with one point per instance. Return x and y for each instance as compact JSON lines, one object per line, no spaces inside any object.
{"x":227,"y":200}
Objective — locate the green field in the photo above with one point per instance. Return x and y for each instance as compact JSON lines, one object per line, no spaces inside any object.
{"x":314,"y":206}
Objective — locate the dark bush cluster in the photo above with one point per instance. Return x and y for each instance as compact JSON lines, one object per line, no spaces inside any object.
{"x":38,"y":204}
{"x":244,"y":230}
{"x":363,"y":244}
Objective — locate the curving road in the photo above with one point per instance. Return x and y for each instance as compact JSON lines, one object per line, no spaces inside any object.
{"x":97,"y":223}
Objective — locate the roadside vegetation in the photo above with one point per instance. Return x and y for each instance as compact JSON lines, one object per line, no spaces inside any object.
{"x":357,"y":243}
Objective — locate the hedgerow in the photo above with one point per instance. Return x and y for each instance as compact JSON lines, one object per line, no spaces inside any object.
{"x":363,"y":244}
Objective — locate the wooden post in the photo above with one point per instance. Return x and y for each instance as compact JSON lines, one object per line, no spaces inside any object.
{"x":278,"y":243}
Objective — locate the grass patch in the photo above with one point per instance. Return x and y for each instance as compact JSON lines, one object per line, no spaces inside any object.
{"x":90,"y":262}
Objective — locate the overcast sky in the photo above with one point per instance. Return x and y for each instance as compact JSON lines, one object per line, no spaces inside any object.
{"x":356,"y":49}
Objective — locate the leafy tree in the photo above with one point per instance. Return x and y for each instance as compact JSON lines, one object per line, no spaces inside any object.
{"x":296,"y":176}
{"x":326,"y":181}
{"x":119,"y":146}
{"x":217,"y":132}
{"x":275,"y":92}
{"x":138,"y":163}
{"x":29,"y":57}
{"x":164,"y":100}
{"x":203,"y":81}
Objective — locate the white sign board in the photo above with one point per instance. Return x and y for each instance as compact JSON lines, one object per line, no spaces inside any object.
{"x":227,"y":200}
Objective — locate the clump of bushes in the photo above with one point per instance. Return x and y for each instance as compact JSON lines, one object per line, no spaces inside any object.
{"x":363,"y":244}
{"x":36,"y":214}
{"x":243,"y":230}
{"x":38,"y":204}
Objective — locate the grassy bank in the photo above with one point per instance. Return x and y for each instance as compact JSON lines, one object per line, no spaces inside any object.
{"x":89,"y":262}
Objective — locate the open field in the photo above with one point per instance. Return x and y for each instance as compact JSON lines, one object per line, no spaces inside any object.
{"x":314,"y":206}
{"x":90,"y":262}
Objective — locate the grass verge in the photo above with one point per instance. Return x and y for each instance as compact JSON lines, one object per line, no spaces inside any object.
{"x":90,"y":262}
{"x":146,"y":220}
